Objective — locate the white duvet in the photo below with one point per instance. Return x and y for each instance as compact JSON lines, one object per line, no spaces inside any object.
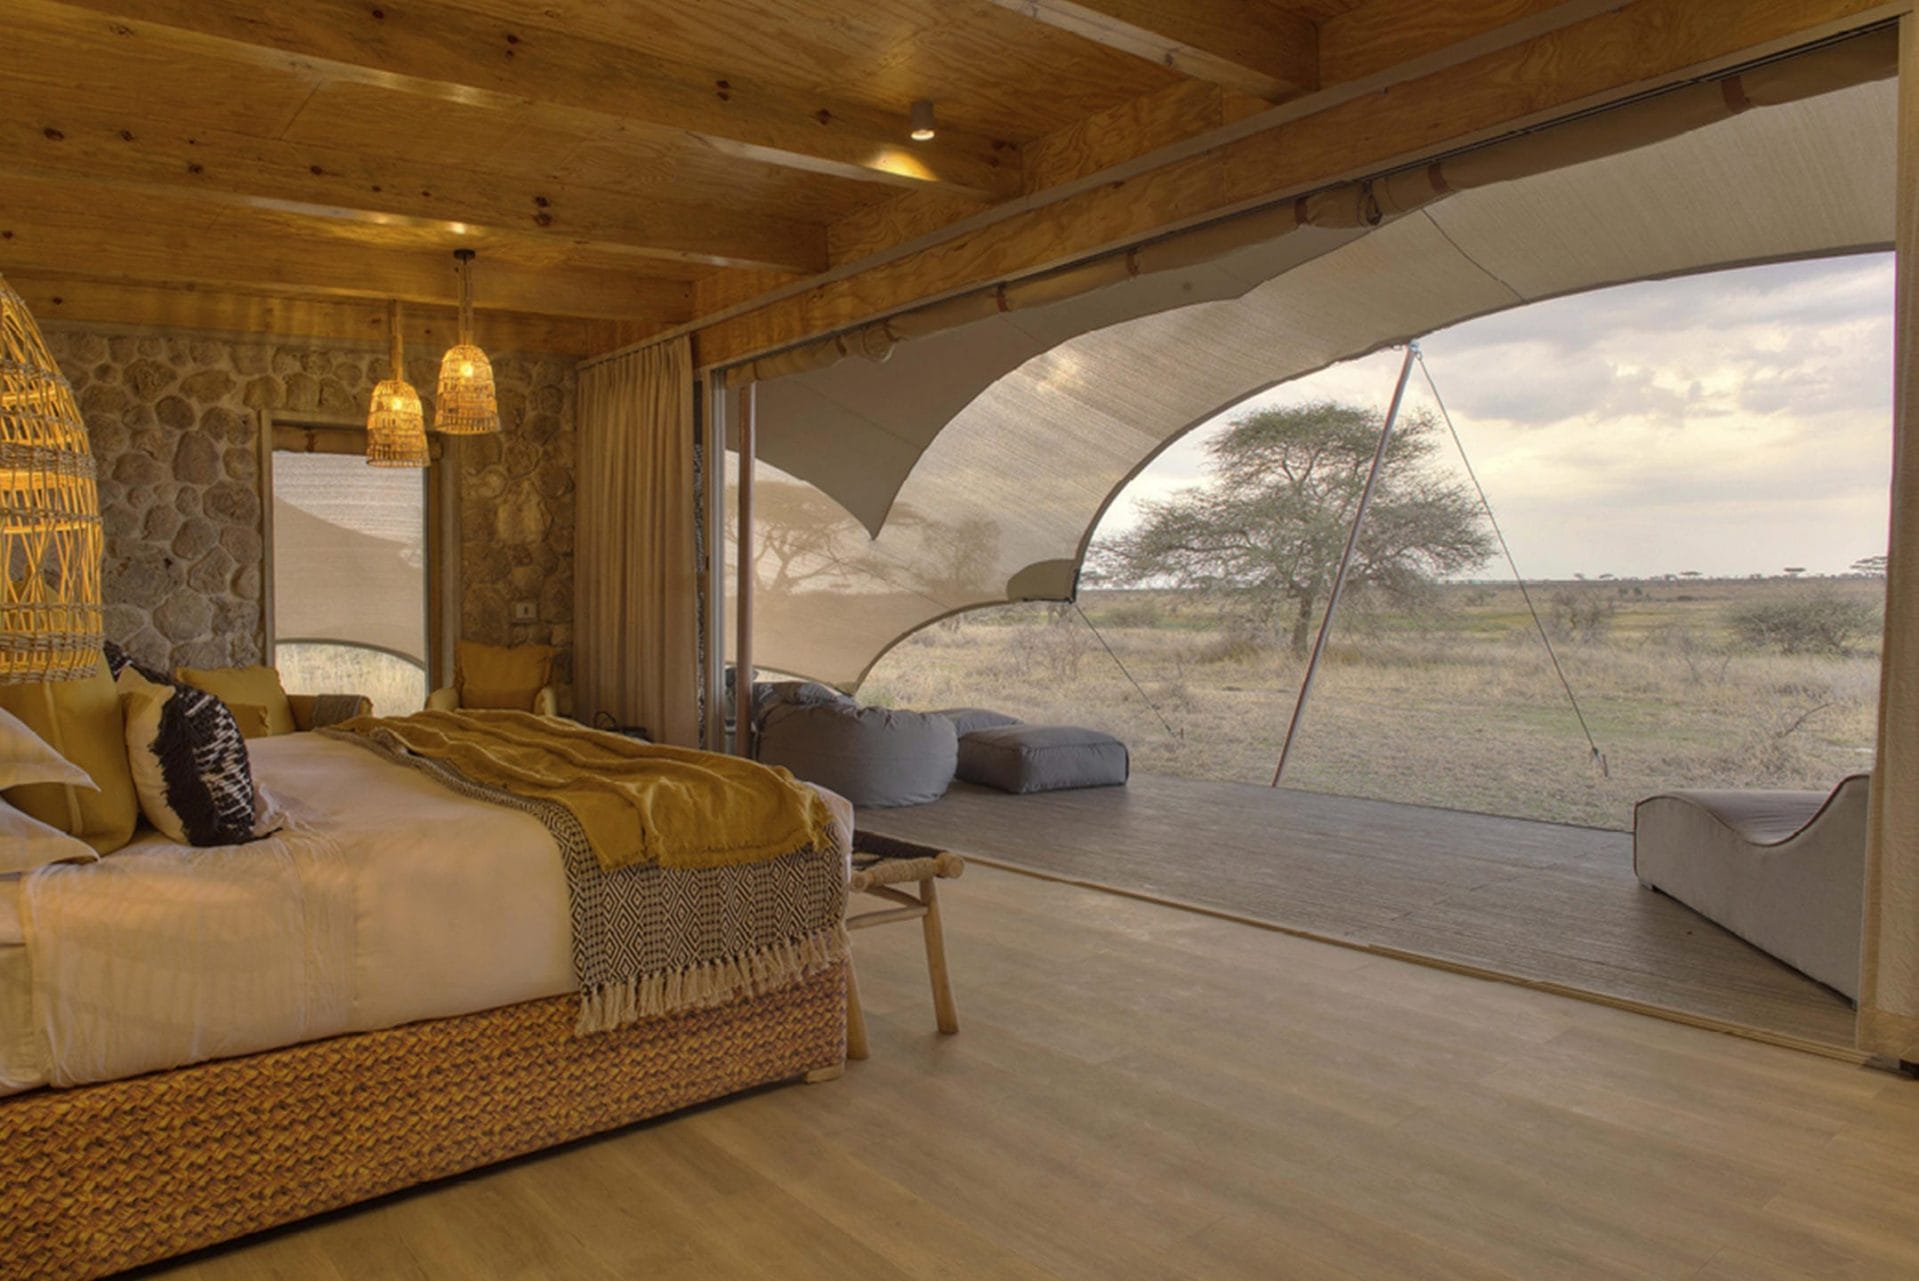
{"x":386,"y":899}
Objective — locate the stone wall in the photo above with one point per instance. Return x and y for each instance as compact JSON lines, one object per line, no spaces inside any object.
{"x":174,"y":419}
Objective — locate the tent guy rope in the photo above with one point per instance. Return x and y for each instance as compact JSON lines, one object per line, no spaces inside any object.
{"x":1545,"y":638}
{"x":1413,"y":354}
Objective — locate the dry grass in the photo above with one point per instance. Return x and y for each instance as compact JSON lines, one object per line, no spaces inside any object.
{"x":1457,"y":706}
{"x":396,"y":686}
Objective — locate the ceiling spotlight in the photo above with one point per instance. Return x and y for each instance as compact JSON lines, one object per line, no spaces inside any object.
{"x":923,"y":120}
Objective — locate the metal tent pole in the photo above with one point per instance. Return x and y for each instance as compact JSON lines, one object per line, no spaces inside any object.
{"x":713,"y":479}
{"x":743,"y":601}
{"x":1346,"y":560}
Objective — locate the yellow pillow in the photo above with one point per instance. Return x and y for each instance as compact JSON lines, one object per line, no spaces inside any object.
{"x":81,"y":720}
{"x":252,"y":719}
{"x":501,"y":675}
{"x":254,"y":686}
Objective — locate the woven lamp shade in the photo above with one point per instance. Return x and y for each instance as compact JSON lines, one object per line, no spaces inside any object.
{"x":465,"y":404}
{"x":50,"y":540}
{"x":395,"y":425}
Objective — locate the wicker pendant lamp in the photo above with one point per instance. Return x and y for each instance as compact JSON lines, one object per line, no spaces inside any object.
{"x":395,"y":425}
{"x":50,"y":543}
{"x":465,"y":405}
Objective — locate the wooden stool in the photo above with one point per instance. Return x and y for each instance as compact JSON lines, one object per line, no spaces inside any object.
{"x":881,"y":863}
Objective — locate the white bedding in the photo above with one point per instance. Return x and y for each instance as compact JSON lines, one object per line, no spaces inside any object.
{"x":387,"y":899}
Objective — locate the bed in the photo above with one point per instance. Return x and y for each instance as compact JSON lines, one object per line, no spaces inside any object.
{"x":382,"y":993}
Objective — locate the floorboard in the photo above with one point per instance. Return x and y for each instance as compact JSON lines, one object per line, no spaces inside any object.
{"x":1141,"y":1092}
{"x":1538,"y":900}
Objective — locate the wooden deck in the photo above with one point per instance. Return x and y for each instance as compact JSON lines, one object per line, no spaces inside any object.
{"x":1539,"y":901}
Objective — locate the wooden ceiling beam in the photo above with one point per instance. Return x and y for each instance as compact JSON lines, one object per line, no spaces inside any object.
{"x":1250,"y":46}
{"x":437,"y":49}
{"x":54,"y":298}
{"x":128,"y":153}
{"x":229,"y":256}
{"x":1377,"y":34}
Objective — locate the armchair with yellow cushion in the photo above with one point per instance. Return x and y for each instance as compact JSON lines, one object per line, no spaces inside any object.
{"x":517,"y":677}
{"x":261,"y":706}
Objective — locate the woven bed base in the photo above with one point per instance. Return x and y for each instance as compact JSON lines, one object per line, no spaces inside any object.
{"x":108,"y":1176}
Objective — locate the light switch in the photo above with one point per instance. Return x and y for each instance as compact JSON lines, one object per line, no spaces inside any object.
{"x":524,"y":611}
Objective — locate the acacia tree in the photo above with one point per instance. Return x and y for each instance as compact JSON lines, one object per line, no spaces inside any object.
{"x":799,"y":536}
{"x":802,"y":539}
{"x":1262,"y":538}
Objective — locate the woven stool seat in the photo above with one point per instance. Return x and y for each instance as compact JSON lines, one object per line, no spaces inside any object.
{"x":879,"y":864}
{"x":882,"y":860}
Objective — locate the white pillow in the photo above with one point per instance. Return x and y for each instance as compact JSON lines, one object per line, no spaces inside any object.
{"x":27,"y":843}
{"x":25,"y":757}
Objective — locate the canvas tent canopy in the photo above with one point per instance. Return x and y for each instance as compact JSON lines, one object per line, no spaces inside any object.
{"x":349,"y":556}
{"x":962,"y":455}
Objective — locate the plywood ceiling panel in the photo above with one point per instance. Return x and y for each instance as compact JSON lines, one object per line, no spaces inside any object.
{"x":404,"y":126}
{"x":47,"y":49}
{"x":992,"y":71}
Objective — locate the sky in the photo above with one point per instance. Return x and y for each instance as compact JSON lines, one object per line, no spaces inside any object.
{"x":1733,"y":423}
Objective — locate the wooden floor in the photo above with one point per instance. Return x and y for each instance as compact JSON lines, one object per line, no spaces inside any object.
{"x":1538,"y":900}
{"x":1140,"y":1092}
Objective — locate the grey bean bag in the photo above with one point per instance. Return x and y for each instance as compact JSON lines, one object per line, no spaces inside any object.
{"x":1042,"y":758}
{"x":968,"y":720}
{"x":869,"y":755}
{"x":769,"y":696}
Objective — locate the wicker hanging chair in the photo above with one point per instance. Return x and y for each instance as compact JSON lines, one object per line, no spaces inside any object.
{"x":50,"y":539}
{"x":395,"y":425}
{"x":465,"y":404}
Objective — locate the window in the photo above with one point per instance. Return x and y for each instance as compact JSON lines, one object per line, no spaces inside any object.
{"x":350,"y":571}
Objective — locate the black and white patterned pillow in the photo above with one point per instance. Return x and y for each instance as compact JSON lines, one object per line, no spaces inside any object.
{"x":189,"y":763}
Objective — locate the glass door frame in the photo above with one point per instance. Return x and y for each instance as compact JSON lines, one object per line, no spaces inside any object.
{"x":316,"y":434}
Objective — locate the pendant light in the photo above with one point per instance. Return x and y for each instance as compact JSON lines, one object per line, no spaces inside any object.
{"x":50,"y":542}
{"x":465,"y":405}
{"x":395,"y":427}
{"x":921,"y":126}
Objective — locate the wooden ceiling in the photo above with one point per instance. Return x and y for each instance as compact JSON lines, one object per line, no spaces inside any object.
{"x":604,"y":158}
{"x":621,"y":166}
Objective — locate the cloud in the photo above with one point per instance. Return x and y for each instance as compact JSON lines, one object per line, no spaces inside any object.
{"x":1732,"y":422}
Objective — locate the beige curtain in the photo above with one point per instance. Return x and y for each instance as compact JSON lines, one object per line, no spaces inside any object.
{"x":1889,"y":977}
{"x":637,"y":561}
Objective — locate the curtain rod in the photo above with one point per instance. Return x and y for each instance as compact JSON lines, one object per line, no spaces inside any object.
{"x":1544,"y":23}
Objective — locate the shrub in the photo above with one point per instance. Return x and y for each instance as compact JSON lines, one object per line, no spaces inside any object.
{"x":1579,"y":614}
{"x":1052,"y":652}
{"x":1237,"y":643}
{"x":1140,"y":612}
{"x":1815,"y":622}
{"x":1705,"y":661}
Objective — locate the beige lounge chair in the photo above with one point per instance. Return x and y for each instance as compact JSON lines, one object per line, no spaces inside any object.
{"x":1783,"y":870}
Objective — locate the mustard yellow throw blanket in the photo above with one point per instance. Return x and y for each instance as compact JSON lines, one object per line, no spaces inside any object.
{"x":636,"y":802}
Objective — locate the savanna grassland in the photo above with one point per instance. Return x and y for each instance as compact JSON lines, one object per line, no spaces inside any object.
{"x":396,"y":686}
{"x":1684,"y":684}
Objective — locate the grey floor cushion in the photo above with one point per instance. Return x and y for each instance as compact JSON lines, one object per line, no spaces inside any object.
{"x":869,"y":755}
{"x":1042,"y":758}
{"x":968,"y":720}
